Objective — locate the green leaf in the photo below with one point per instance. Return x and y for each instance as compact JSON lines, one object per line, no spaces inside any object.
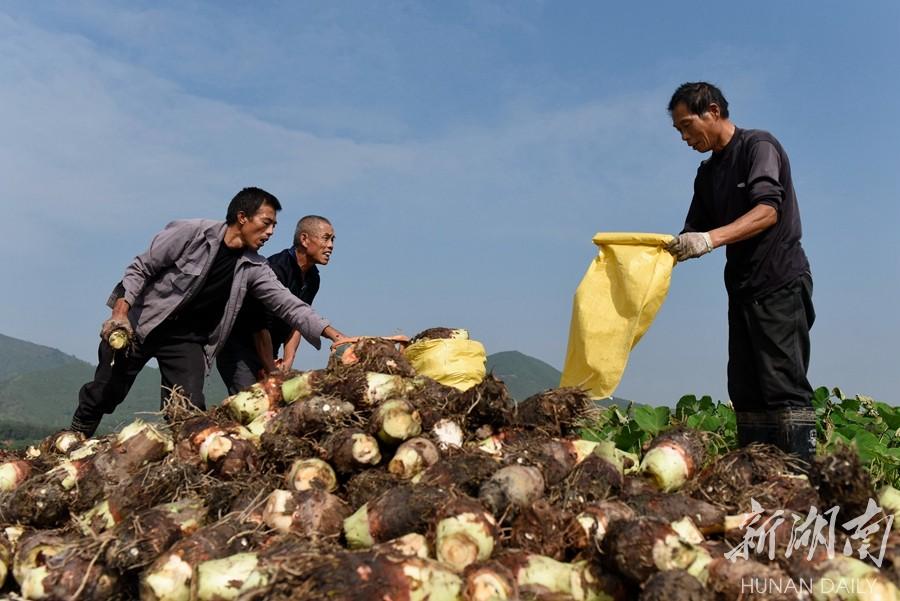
{"x":821,"y":394}
{"x":868,"y":445}
{"x":890,"y":415}
{"x":652,"y":420}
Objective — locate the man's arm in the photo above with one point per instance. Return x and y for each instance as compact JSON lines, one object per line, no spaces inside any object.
{"x":262,"y":341}
{"x":290,"y":350}
{"x":753,"y":222}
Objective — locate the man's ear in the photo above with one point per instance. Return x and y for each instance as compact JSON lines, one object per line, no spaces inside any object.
{"x":241,"y":218}
{"x":714,"y":110}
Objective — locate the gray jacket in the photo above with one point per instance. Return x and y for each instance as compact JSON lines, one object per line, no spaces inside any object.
{"x":171,"y":271}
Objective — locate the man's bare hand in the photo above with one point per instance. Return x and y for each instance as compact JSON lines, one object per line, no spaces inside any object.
{"x":115,"y":323}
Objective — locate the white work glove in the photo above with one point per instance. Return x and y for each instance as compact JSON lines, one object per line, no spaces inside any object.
{"x":690,"y":245}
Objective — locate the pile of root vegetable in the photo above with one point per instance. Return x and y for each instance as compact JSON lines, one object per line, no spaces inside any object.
{"x":367,"y":481}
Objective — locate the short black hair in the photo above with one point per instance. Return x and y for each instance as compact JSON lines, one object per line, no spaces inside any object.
{"x":248,"y":201}
{"x":697,"y":96}
{"x":306,"y":224}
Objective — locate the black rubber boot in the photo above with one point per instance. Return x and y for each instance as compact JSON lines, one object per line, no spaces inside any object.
{"x":756,"y":426}
{"x":797,"y":432}
{"x":85,"y":428}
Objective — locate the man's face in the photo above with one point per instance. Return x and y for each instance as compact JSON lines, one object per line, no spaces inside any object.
{"x":700,"y":132}
{"x":319,"y":243}
{"x":255,"y":230}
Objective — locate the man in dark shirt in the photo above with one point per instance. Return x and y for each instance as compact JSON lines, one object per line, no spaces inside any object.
{"x":178,"y":300}
{"x":252,"y":349}
{"x":744,"y":199}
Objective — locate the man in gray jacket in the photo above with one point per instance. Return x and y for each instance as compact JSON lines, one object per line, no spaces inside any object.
{"x":179,"y":299}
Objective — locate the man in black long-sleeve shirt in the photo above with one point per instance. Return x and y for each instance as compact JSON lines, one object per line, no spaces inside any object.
{"x":258,"y":334}
{"x":744,"y":199}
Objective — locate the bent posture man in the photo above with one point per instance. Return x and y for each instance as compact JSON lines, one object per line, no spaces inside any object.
{"x":744,"y":199}
{"x":179,"y":300}
{"x":258,"y":333}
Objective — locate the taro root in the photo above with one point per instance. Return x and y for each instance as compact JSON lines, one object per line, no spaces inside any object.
{"x":841,"y":480}
{"x":465,"y":533}
{"x":308,"y":474}
{"x":486,"y":403}
{"x":595,"y":479}
{"x":13,"y":473}
{"x":674,"y":457}
{"x":403,"y":509}
{"x":489,"y":581}
{"x":228,"y":577}
{"x":539,"y":574}
{"x":441,"y":333}
{"x":413,"y":457}
{"x":784,"y":491}
{"x":51,"y":569}
{"x":138,"y":541}
{"x":5,"y":558}
{"x":540,"y":528}
{"x":312,"y":513}
{"x":558,"y":412}
{"x":350,"y":450}
{"x":708,"y":518}
{"x":368,"y":485}
{"x":375,"y":355}
{"x":169,"y":577}
{"x":363,"y":575}
{"x":750,"y":579}
{"x":61,"y":443}
{"x":646,"y":545}
{"x":252,"y":402}
{"x":587,"y":529}
{"x":229,"y":457}
{"x":394,"y":421}
{"x":725,"y":479}
{"x":677,"y":585}
{"x":463,"y":470}
{"x":135,"y":446}
{"x":889,"y":501}
{"x":315,"y":415}
{"x":514,"y":486}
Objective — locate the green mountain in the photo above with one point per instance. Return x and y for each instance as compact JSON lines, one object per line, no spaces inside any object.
{"x":523,"y":375}
{"x":44,"y":392}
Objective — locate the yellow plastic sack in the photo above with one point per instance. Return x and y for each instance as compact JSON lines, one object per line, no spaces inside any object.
{"x":614,"y":305}
{"x":452,"y":362}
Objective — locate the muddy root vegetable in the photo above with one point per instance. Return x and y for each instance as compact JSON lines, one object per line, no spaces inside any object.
{"x":229,"y":457}
{"x":784,"y":491}
{"x":136,"y":445}
{"x":441,"y":333}
{"x":118,"y":339}
{"x":394,"y":421}
{"x":13,"y":473}
{"x":513,"y":486}
{"x":249,"y":404}
{"x":646,"y":545}
{"x":889,"y":501}
{"x":489,"y":581}
{"x":708,"y":518}
{"x":308,"y":474}
{"x":725,"y":479}
{"x":403,"y":509}
{"x":408,"y":545}
{"x":539,"y":574}
{"x":587,"y":529}
{"x":228,"y":577}
{"x":448,"y":434}
{"x":732,"y":579}
{"x":486,"y":403}
{"x":676,"y":585}
{"x":137,"y":542}
{"x":674,"y":457}
{"x":368,"y":485}
{"x":375,"y":355}
{"x":350,"y":450}
{"x":169,"y":577}
{"x":840,"y":479}
{"x":466,"y":471}
{"x":413,"y":457}
{"x":61,"y":443}
{"x":5,"y":559}
{"x":312,"y":416}
{"x":312,"y":513}
{"x":539,"y":529}
{"x":558,"y":412}
{"x":465,"y":533}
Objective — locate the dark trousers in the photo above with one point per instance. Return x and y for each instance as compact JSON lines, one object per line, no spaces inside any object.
{"x":768,"y":349}
{"x":238,"y":364}
{"x":181,"y":363}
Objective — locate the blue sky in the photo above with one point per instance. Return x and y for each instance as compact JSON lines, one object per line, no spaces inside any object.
{"x":465,"y":151}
